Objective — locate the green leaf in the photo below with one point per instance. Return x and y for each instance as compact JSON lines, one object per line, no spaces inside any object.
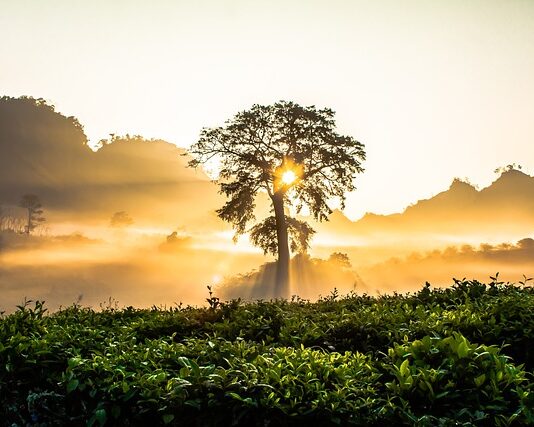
{"x":72,"y":385}
{"x":74,"y":361}
{"x":234,"y":395}
{"x":167,"y":418}
{"x":463,"y":350}
{"x":101,"y":416}
{"x":480,"y":380}
{"x":405,"y":368}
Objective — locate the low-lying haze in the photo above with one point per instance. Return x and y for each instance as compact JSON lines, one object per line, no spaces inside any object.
{"x":131,"y":222}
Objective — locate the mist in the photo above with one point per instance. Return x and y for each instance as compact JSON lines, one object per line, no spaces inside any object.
{"x":131,"y":224}
{"x":129,"y":269}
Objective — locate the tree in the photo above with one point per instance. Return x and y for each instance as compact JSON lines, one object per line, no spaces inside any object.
{"x":508,"y":168}
{"x":340,"y":259}
{"x":120,"y":219}
{"x":293,"y":154}
{"x":32,"y":204}
{"x":10,"y":222}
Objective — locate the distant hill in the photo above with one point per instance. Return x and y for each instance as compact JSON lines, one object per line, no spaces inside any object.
{"x":41,"y":151}
{"x":506,"y":206}
{"x":46,"y":153}
{"x":150,"y":179}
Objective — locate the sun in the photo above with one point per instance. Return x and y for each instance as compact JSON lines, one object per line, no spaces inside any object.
{"x":288,"y":177}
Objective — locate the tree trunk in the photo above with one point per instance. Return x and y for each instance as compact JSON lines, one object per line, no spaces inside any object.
{"x":29,"y":222}
{"x":281,"y":288}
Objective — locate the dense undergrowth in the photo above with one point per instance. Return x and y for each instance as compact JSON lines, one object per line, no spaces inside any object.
{"x":457,"y":356}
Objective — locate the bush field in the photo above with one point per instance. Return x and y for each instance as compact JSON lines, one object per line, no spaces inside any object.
{"x":463,"y":355}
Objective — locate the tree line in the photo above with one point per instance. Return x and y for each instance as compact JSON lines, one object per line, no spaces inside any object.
{"x":33,"y":218}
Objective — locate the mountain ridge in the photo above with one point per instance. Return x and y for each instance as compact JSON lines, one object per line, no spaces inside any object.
{"x":45,"y":153}
{"x":458,"y":209}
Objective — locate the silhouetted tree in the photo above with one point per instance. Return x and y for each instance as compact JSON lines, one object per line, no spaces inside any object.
{"x":340,"y":259}
{"x":292,"y":153}
{"x":10,"y":222}
{"x":507,"y":168}
{"x":121,"y":219}
{"x":32,"y":204}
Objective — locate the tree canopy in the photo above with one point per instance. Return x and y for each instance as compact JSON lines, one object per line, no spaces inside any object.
{"x":292,"y":153}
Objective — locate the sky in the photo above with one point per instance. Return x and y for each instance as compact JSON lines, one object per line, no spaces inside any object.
{"x":434,"y":89}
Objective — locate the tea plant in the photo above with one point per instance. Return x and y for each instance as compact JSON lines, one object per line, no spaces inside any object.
{"x":456,"y":356}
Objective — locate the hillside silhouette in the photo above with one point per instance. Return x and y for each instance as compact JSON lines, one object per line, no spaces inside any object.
{"x":41,"y":151}
{"x":458,"y":211}
{"x":45,"y":153}
{"x":173,"y":242}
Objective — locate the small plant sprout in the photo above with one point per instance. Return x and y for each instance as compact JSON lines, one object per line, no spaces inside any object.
{"x":525,"y":280}
{"x":213,"y":302}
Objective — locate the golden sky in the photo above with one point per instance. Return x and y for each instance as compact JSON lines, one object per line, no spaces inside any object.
{"x":434,"y":89}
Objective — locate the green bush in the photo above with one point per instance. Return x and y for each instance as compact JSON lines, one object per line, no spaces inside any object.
{"x":355,"y":360}
{"x":452,"y":378}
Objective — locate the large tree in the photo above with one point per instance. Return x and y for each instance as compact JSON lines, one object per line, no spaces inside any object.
{"x":292,"y":153}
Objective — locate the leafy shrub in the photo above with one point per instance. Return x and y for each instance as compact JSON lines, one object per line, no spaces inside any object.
{"x":452,"y":378}
{"x":353,"y":360}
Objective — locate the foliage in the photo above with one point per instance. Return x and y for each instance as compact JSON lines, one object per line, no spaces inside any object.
{"x":33,"y":205}
{"x":257,"y":149}
{"x":120,"y":219}
{"x":264,"y":236}
{"x":29,"y":103}
{"x":10,"y":222}
{"x":455,"y":356}
{"x":451,"y":377}
{"x":508,"y":168}
{"x":254,"y":144}
{"x":341,"y":259}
